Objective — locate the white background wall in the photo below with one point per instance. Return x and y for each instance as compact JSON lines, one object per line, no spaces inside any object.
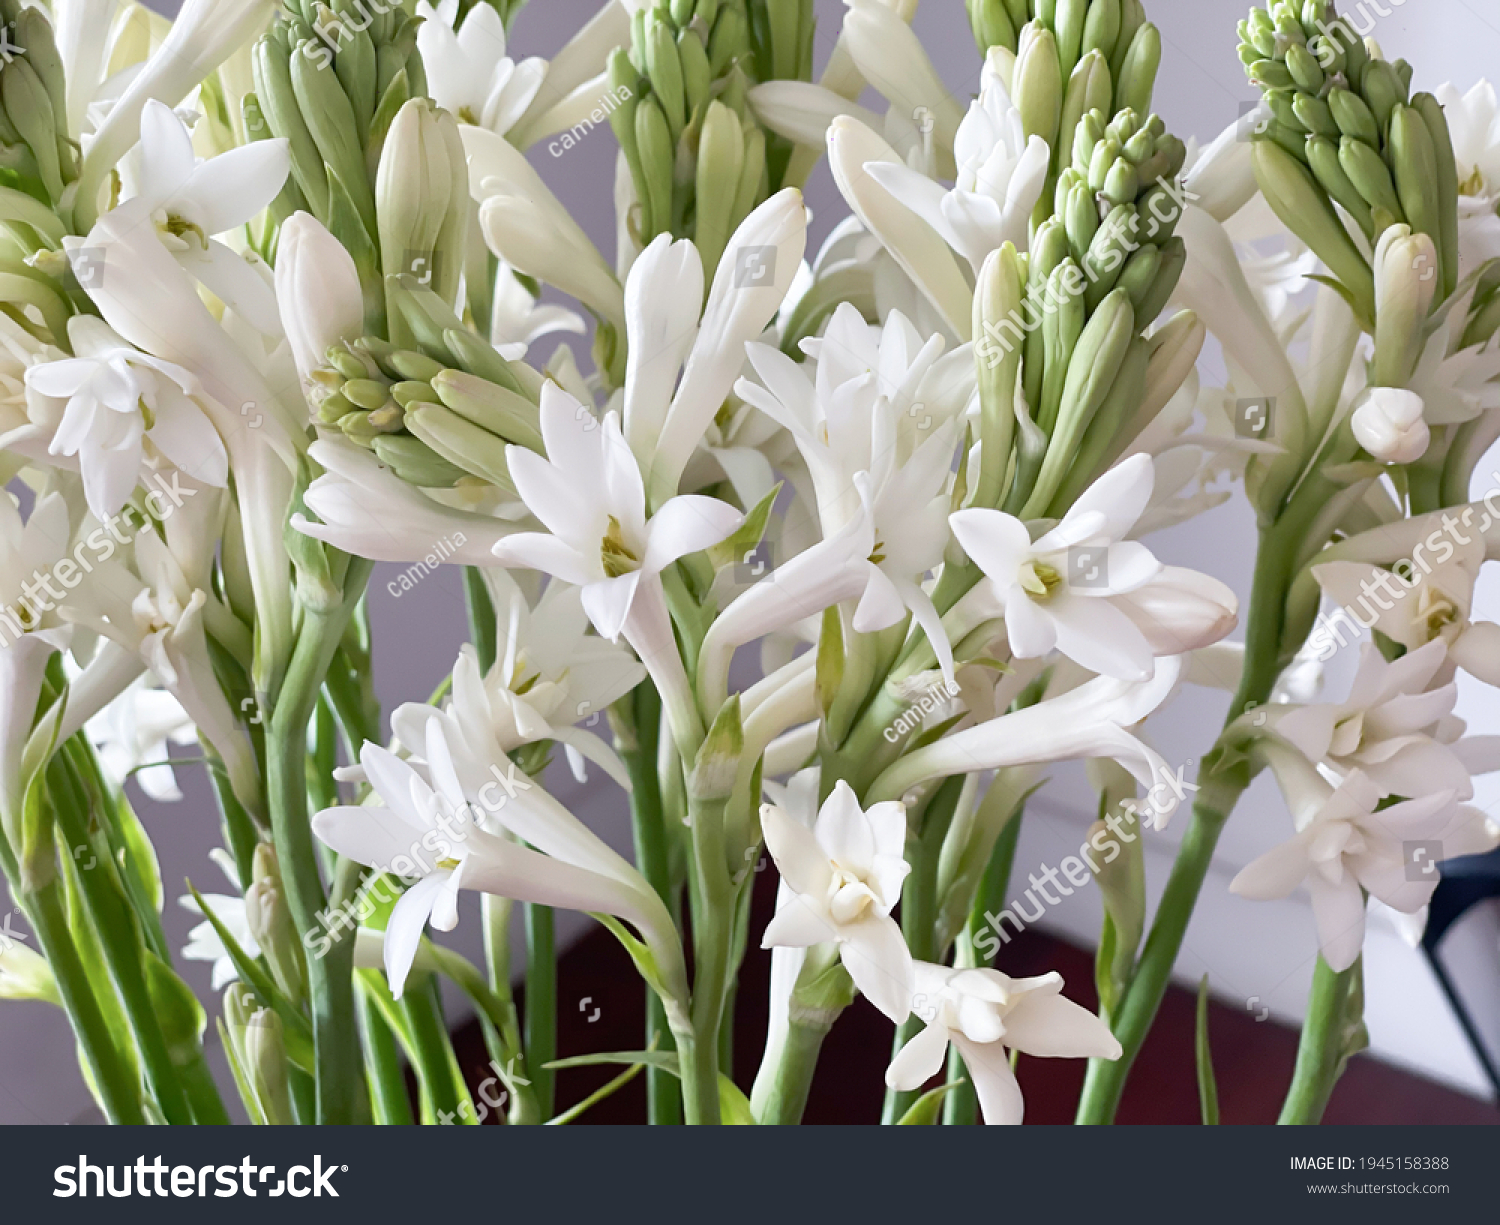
{"x":1258,"y":956}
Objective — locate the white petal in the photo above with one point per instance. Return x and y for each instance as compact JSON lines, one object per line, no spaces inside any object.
{"x":919,"y":1060}
{"x":874,"y":952}
{"x":404,"y":930}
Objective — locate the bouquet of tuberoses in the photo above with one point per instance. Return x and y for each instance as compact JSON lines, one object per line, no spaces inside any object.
{"x":273,"y":307}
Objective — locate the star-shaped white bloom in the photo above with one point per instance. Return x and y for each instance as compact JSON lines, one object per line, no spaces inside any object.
{"x":1392,"y":727}
{"x":845,"y":877}
{"x":876,"y":415}
{"x":1456,"y":385}
{"x":468,"y":70}
{"x":132,"y":734}
{"x":1001,"y":175}
{"x":116,"y":400}
{"x":1347,"y":846}
{"x":448,"y":822}
{"x":1434,"y":601}
{"x":191,"y":200}
{"x":986,"y":1015}
{"x":550,"y":674}
{"x":1083,"y":589}
{"x":589,"y":495}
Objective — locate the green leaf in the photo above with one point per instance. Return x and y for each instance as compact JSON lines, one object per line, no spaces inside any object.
{"x":297,"y":1032}
{"x":734,"y":1106}
{"x":747,"y":536}
{"x":1208,"y":1090}
{"x":924,"y":1111}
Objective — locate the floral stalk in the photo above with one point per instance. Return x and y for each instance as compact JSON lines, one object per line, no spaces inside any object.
{"x":1334,"y":1031}
{"x":330,"y":977}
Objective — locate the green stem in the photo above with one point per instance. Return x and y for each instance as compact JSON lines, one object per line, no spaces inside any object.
{"x":1221,"y":787}
{"x":653,"y":858}
{"x":119,"y":936}
{"x":203,"y":1094}
{"x":541,"y":1005}
{"x":1334,"y":1030}
{"x":330,"y":977}
{"x":713,"y":898}
{"x":115,"y":1082}
{"x":483,"y":631}
{"x":388,"y":1097}
{"x":432,"y":1055}
{"x":795,"y":1061}
{"x":919,"y":916}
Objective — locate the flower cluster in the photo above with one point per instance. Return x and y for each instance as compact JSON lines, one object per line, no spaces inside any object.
{"x":291,"y":262}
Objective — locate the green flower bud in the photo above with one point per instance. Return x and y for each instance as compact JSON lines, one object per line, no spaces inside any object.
{"x":999,"y":342}
{"x":1302,"y":206}
{"x":1137,"y":76}
{"x":1367,"y":172}
{"x":1353,"y":116}
{"x":664,"y":68}
{"x":721,"y":158}
{"x":461,"y":443}
{"x":991,"y":24}
{"x":1095,"y":362}
{"x":1447,"y":186}
{"x":1323,"y":158}
{"x":1383,"y":89}
{"x":1414,"y":161}
{"x":29,"y":111}
{"x":422,"y":188}
{"x":1089,"y":89}
{"x":1315,"y":116}
{"x":1038,"y":83}
{"x":1407,"y":278}
{"x":266,"y":1066}
{"x":416,"y":463}
{"x":1101,"y":28}
{"x":1304,"y":68}
{"x":1067,"y":25}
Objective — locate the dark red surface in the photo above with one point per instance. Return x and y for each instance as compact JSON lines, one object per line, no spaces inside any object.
{"x":1252,"y":1060}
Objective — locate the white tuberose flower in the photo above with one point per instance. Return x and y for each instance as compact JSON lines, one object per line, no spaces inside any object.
{"x":1083,"y":589}
{"x":1001,"y":175}
{"x":550,"y":674}
{"x":468,"y":70}
{"x":845,"y":876}
{"x":117,"y":398}
{"x":1388,"y":727}
{"x":449,"y":837}
{"x":986,"y":1015}
{"x":1347,"y":846}
{"x":190,"y":200}
{"x":317,"y":290}
{"x":132,"y":734}
{"x":589,"y":495}
{"x":1434,"y":601}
